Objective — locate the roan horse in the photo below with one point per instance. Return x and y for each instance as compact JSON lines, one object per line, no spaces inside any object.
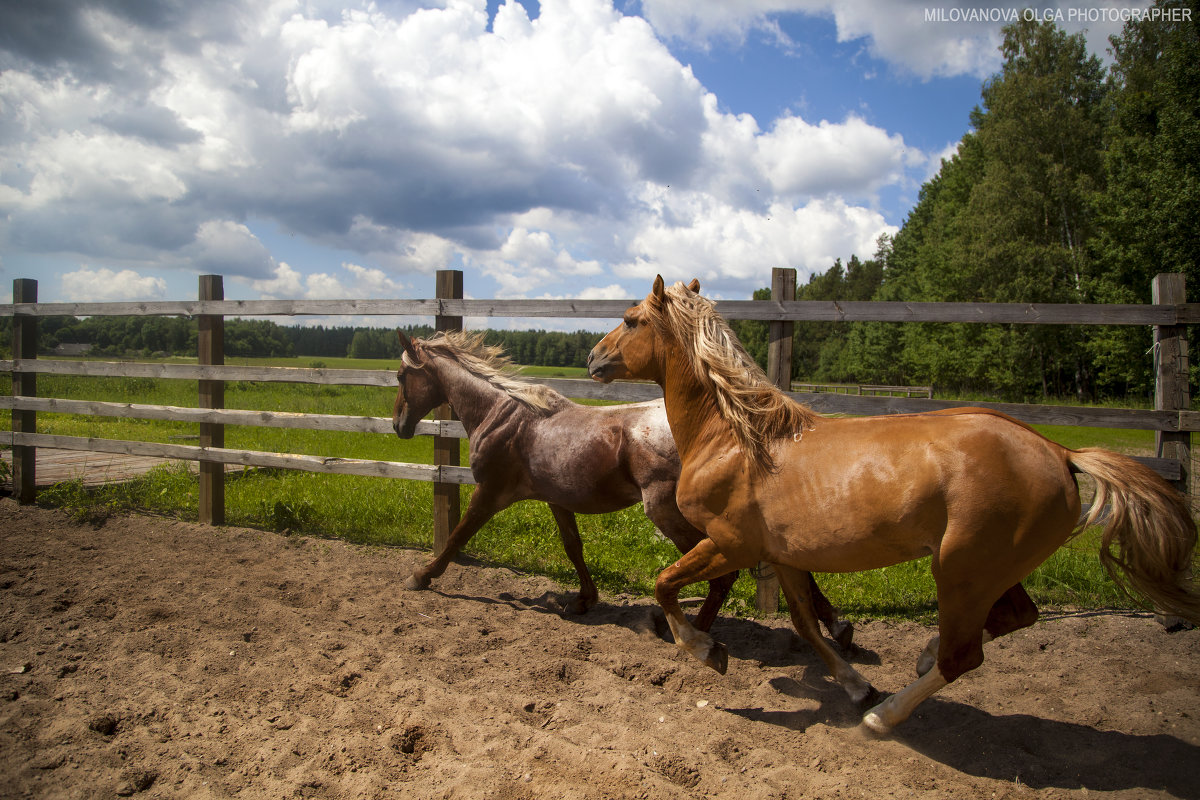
{"x":528,"y":442}
{"x":986,"y":496}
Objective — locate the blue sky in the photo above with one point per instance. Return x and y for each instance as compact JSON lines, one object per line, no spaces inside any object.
{"x":572,"y":148}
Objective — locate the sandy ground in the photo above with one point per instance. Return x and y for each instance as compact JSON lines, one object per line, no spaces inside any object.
{"x":155,"y":658}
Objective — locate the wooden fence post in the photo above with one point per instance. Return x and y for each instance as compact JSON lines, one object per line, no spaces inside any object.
{"x":212,"y":395}
{"x":1171,"y":391}
{"x":24,"y":384}
{"x":446,"y":505}
{"x":779,"y":371}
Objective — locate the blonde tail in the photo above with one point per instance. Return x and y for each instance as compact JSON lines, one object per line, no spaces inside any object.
{"x":1149,"y":535}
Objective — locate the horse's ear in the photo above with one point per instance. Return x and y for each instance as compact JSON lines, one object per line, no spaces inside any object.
{"x":659,"y":287}
{"x":694,"y":286}
{"x":408,"y":347}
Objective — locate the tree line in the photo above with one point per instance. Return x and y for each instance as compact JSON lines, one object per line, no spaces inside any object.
{"x":140,"y":336}
{"x":1074,"y":185}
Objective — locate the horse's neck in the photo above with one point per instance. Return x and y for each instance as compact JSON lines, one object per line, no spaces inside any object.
{"x":473,"y":398}
{"x":692,"y":411}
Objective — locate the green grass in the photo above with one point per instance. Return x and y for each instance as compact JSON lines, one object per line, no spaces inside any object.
{"x":622,"y":549}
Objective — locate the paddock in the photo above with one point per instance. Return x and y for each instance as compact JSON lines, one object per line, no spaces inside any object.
{"x":157,"y":658}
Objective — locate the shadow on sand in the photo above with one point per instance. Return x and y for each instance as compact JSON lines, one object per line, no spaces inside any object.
{"x":1018,"y":748}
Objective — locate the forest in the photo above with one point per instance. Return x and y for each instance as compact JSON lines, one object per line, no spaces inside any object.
{"x":1076,"y":183}
{"x":122,"y":337}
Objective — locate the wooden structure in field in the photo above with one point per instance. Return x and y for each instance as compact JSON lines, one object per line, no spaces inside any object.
{"x":1171,"y":419}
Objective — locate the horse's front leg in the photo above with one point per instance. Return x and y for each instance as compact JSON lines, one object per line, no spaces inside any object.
{"x":658,"y":500}
{"x":704,"y":562}
{"x":484,"y":505}
{"x":569,"y":532}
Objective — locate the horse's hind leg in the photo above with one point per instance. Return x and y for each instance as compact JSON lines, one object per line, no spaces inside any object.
{"x":1012,"y":612}
{"x":569,"y":532}
{"x":964,"y":606}
{"x":960,"y":649}
{"x":798,"y":588}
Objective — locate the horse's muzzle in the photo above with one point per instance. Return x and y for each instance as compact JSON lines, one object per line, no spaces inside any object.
{"x":402,"y":429}
{"x":600,"y":367}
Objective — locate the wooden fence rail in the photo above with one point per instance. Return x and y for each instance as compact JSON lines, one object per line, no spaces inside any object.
{"x":1172,"y":420}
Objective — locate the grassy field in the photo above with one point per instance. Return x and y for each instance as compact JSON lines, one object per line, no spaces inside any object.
{"x":622,"y":549}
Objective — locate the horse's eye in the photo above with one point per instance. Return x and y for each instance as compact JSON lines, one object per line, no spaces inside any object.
{"x":630,"y":322}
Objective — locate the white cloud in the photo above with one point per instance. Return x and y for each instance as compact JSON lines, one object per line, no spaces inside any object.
{"x":927,"y":38}
{"x":541,"y":152}
{"x":528,"y":259}
{"x":102,"y":285}
{"x":224,"y":247}
{"x":369,"y":282}
{"x":355,"y":282}
{"x":725,"y":245}
{"x":286,"y":283}
{"x":613,"y":291}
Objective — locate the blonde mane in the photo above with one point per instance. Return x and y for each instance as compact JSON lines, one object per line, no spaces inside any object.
{"x":757,"y":411}
{"x":490,"y":363}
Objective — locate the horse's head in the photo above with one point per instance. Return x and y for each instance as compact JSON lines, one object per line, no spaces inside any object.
{"x":419,"y":390}
{"x":632,"y":349}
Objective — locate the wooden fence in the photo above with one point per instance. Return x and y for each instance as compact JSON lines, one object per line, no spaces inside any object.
{"x":1171,"y":420}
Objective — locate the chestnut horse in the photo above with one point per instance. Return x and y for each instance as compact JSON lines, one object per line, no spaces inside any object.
{"x":986,"y":496}
{"x":528,"y":442}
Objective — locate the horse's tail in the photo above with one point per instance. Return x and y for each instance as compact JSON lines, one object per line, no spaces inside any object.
{"x":1152,"y":529}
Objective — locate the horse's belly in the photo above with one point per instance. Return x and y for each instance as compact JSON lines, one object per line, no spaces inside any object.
{"x":823,"y":549}
{"x":862,"y":522}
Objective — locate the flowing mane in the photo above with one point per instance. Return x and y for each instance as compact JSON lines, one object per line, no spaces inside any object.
{"x":757,"y":412}
{"x":490,"y":363}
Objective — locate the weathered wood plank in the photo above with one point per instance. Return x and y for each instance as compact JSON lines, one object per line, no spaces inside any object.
{"x":1169,"y":468}
{"x":193,"y":372}
{"x":628,"y":391}
{"x":266,"y":419}
{"x":836,"y":403}
{"x":621,"y":391}
{"x":1008,"y":313}
{"x":246,"y":458}
{"x":830,"y":403}
{"x":228,"y":308}
{"x":94,"y":469}
{"x":767,"y":310}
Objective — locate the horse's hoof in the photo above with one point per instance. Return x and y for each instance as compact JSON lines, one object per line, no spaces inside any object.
{"x":874,"y":723}
{"x":928,"y":657}
{"x":872,"y":698}
{"x":582,"y":604}
{"x":718,"y":657}
{"x":843,"y":633}
{"x":416,"y":584}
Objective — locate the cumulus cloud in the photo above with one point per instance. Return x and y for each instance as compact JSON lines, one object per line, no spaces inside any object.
{"x":225,"y":247}
{"x":724,"y":245}
{"x":547,"y":151}
{"x":926,"y":38}
{"x":354,"y":282}
{"x":103,"y":285}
